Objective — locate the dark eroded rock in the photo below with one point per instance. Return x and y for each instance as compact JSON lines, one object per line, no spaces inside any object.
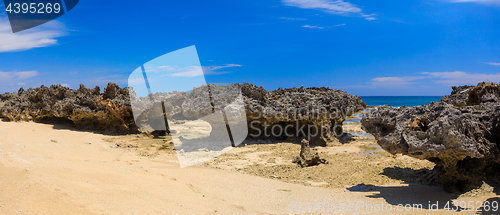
{"x":309,"y":113}
{"x":461,"y":141}
{"x":320,"y":112}
{"x":473,"y":95}
{"x":308,"y":157}
{"x":85,"y":108}
{"x":312,"y":113}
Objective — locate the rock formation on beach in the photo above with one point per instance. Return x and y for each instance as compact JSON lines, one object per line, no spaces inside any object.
{"x":85,"y":108}
{"x":473,"y":95}
{"x":460,"y":134}
{"x":307,"y":156}
{"x":111,"y":111}
{"x":315,"y":112}
{"x":322,"y":108}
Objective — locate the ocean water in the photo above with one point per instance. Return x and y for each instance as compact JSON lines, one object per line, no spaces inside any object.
{"x":399,"y":101}
{"x":392,"y":101}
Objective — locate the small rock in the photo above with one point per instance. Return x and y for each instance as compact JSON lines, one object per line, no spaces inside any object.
{"x":307,"y":156}
{"x":88,"y":143}
{"x":54,"y":141}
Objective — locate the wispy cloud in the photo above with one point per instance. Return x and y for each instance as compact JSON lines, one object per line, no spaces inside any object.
{"x":476,"y":1}
{"x":321,"y":27}
{"x":315,"y":26}
{"x":369,"y":17}
{"x":41,"y":36}
{"x":213,"y":70}
{"x":25,"y":74}
{"x":103,"y":80}
{"x":338,"y":6}
{"x":462,"y":78}
{"x":493,"y":64}
{"x":10,"y":78}
{"x":189,"y":71}
{"x":447,"y":78}
{"x":424,"y":80}
{"x":290,"y":18}
{"x":330,"y":6}
{"x":394,"y":81}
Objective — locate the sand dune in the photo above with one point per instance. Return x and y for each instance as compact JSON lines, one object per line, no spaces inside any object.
{"x":47,"y":170}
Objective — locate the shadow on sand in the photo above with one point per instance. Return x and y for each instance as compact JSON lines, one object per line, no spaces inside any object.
{"x":418,"y":196}
{"x":430,"y":196}
{"x":425,"y":196}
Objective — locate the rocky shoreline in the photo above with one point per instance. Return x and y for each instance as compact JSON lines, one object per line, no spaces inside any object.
{"x":460,"y":134}
{"x":111,"y":111}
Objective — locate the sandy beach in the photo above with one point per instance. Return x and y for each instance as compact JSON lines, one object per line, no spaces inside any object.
{"x":249,"y":107}
{"x":48,"y":169}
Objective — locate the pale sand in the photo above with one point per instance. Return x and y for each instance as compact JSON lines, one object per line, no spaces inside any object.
{"x":68,"y":176}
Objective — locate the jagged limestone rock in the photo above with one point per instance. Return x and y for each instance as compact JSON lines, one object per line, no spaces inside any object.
{"x":308,"y":157}
{"x":461,"y":140}
{"x":111,"y":111}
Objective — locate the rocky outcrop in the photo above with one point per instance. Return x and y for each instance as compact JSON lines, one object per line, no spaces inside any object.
{"x":85,"y":108}
{"x":319,"y":111}
{"x":473,"y":95}
{"x":461,"y":141}
{"x":311,"y":111}
{"x":307,"y":156}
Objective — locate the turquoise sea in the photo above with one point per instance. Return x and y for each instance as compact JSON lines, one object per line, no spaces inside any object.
{"x":399,"y":101}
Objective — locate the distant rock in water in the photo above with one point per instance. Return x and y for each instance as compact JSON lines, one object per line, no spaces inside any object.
{"x":111,"y":111}
{"x":460,"y":134}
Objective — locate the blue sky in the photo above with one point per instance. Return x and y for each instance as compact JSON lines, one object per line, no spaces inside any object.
{"x":419,"y":47}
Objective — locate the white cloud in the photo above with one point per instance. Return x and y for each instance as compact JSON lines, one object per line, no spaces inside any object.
{"x":338,"y":6}
{"x":308,"y":26}
{"x":8,"y":76}
{"x":456,"y":78}
{"x":212,"y":70}
{"x":462,"y":78}
{"x":477,"y":1}
{"x":189,"y":71}
{"x":25,"y":74}
{"x":320,"y":27}
{"x":289,"y":18}
{"x":394,"y":81}
{"x":41,"y":36}
{"x":493,"y":64}
{"x":103,"y":80}
{"x":13,"y":77}
{"x":330,"y":6}
{"x":369,"y":17}
{"x":447,"y":78}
